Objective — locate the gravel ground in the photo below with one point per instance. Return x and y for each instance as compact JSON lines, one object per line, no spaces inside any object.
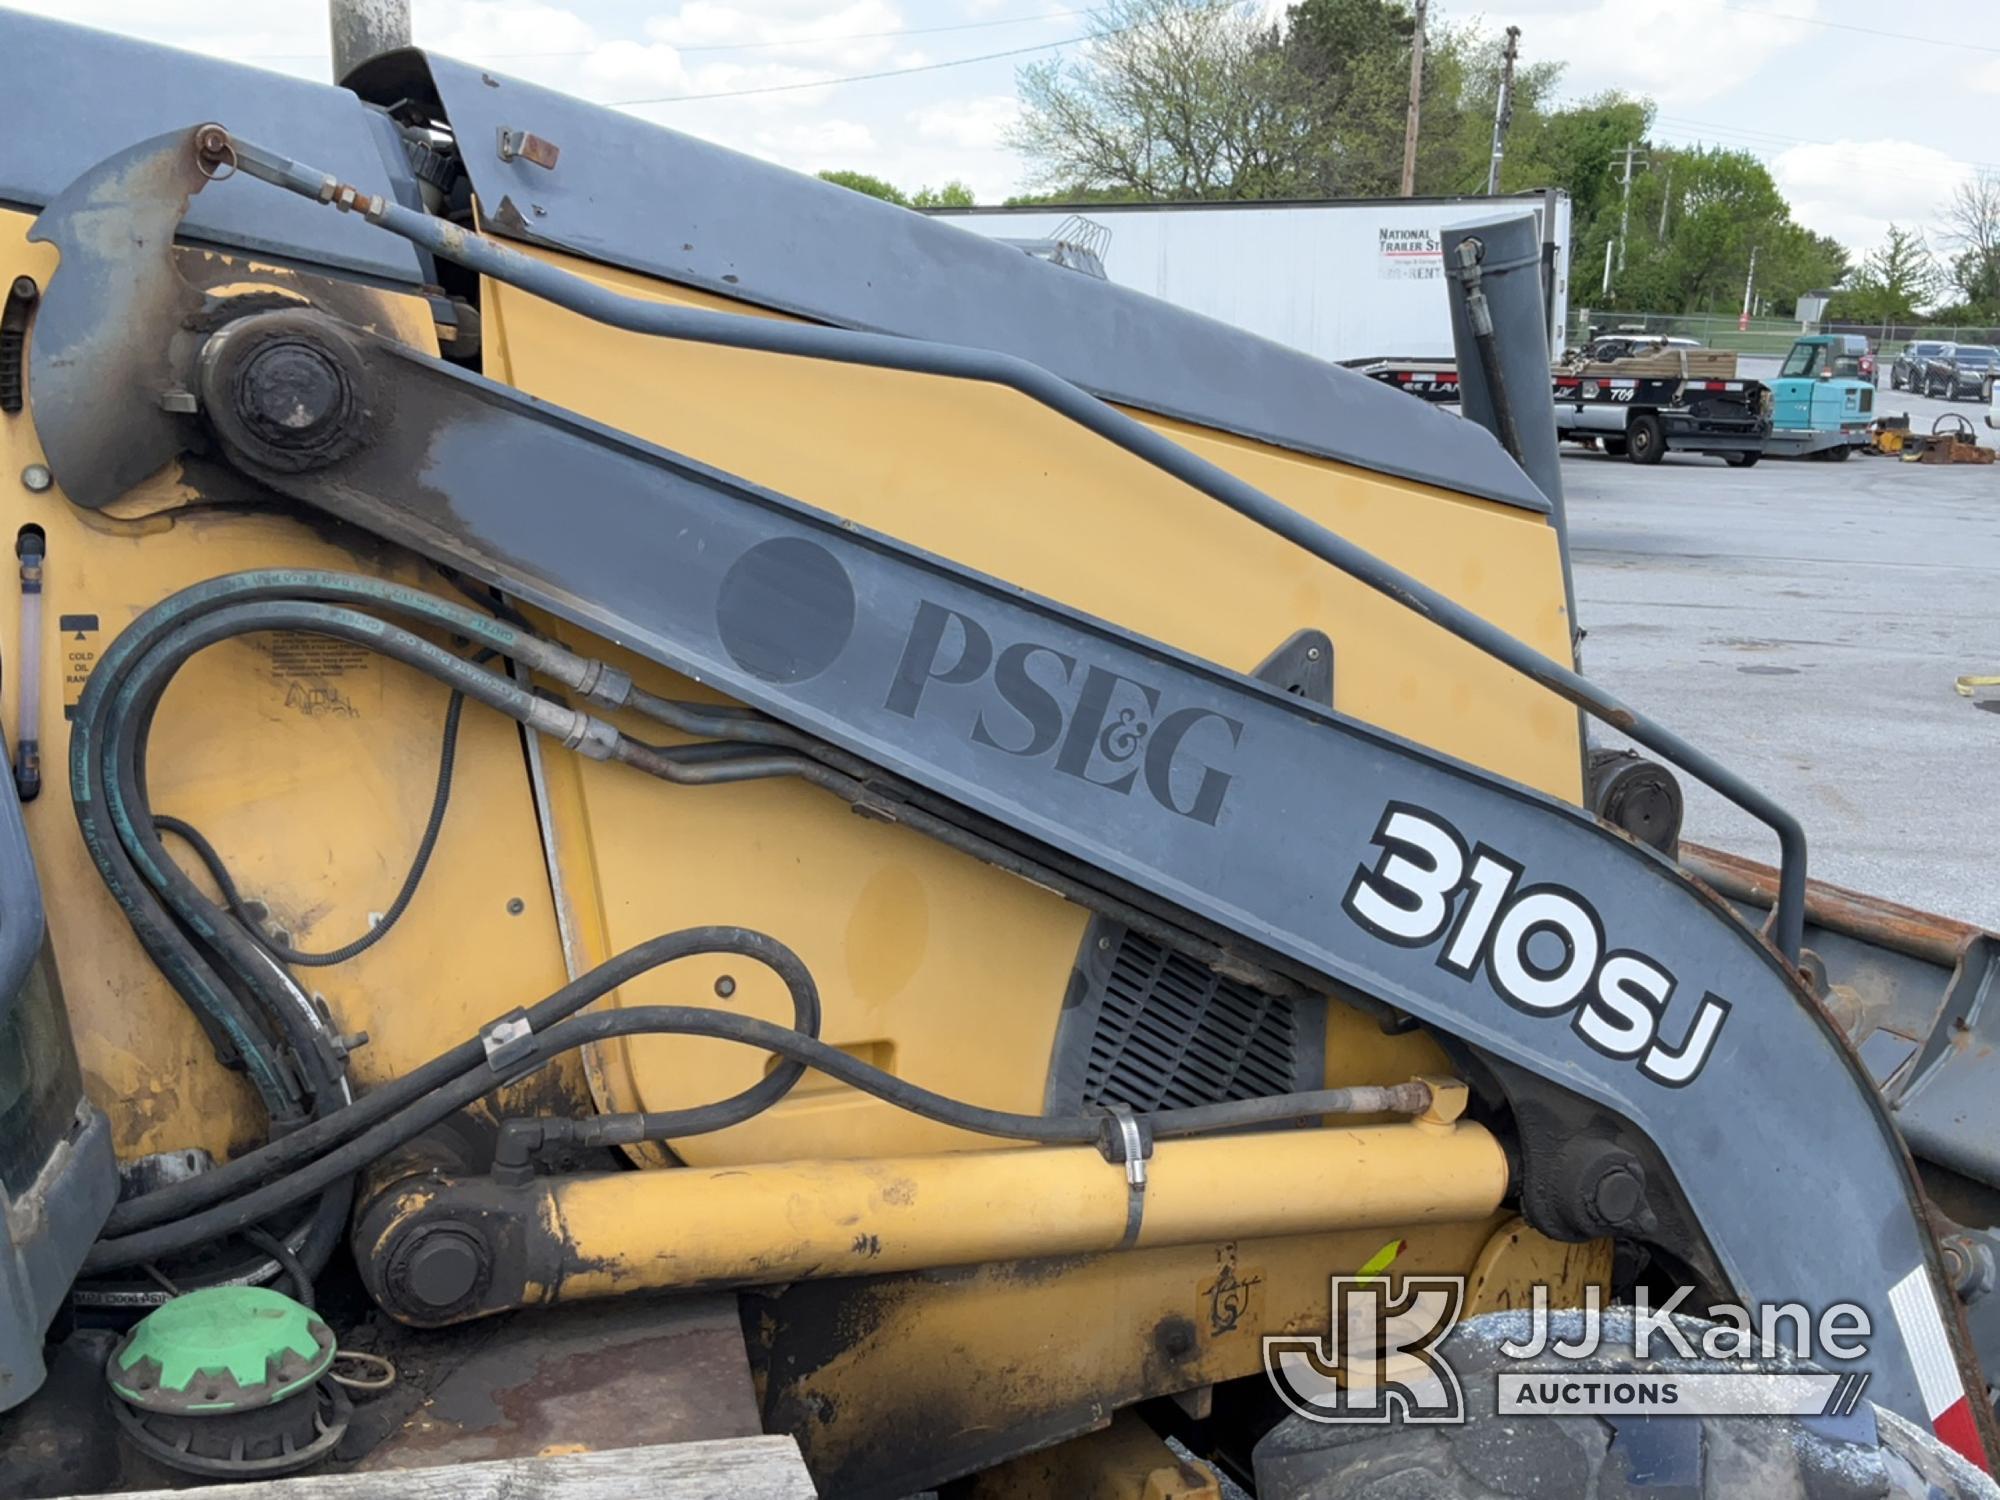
{"x":1804,"y":621}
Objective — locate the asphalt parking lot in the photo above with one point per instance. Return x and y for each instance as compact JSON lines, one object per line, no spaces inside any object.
{"x":1805,"y":621}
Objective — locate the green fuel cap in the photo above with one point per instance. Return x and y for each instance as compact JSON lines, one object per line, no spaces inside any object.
{"x":221,"y":1349}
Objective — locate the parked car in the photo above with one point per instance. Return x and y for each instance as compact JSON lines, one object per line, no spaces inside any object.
{"x":1903,"y":373}
{"x":1851,"y":358}
{"x":1625,"y":345}
{"x":1960,"y":370}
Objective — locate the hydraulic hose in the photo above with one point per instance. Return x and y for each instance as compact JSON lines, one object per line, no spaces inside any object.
{"x":239,"y":1033}
{"x":304,"y":1077}
{"x":218,"y":869}
{"x":796,"y":1047}
{"x":314,"y":1140}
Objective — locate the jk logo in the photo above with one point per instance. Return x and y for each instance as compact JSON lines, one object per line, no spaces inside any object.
{"x":1379,"y":1361}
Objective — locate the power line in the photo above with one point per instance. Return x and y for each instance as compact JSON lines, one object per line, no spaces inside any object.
{"x":1762,"y":141}
{"x":822,"y":83}
{"x":869,"y":36}
{"x":797,"y":41}
{"x":1899,"y":36}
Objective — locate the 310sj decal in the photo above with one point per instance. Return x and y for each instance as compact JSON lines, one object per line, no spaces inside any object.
{"x":1426,"y":885}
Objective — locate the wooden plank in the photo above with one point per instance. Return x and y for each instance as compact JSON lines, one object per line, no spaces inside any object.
{"x":1700,"y":364}
{"x":757,"y":1468}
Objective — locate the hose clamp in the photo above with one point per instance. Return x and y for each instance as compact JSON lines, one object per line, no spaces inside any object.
{"x":508,"y":1040}
{"x":1127,"y":1140}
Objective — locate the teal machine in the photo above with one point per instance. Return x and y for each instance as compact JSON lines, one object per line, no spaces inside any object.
{"x":1818,"y":410}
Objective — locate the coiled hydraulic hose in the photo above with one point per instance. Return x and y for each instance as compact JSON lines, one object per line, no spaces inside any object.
{"x":257,"y":1017}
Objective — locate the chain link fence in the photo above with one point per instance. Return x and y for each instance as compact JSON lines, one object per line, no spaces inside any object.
{"x":1769,"y":336}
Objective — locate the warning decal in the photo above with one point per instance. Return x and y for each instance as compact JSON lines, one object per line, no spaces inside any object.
{"x":78,"y":634}
{"x":311,"y":668}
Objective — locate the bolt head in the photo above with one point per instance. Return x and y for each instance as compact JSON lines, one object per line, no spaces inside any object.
{"x":292,"y":394}
{"x":37,"y":477}
{"x":1619,"y":1195}
{"x":444,"y":1269}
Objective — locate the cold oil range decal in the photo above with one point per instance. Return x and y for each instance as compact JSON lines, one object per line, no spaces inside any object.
{"x":1542,"y":947}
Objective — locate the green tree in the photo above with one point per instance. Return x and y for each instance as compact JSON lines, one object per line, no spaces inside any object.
{"x":1972,"y":223}
{"x":953,"y":194}
{"x":1207,"y":99}
{"x":1723,"y":205}
{"x":1896,"y":279}
{"x":862,"y":182}
{"x":1076,"y":193}
{"x":1178,"y":99}
{"x":1349,"y":61}
{"x":1581,"y":149}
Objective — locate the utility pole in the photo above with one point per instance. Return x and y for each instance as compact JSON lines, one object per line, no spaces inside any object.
{"x":1625,"y":205}
{"x":1503,"y":115}
{"x":362,"y":28}
{"x":1416,"y":102}
{"x":1666,"y":197}
{"x":1749,"y":284}
{"x":1607,"y":270}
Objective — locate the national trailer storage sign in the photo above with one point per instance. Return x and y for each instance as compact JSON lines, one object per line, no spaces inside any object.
{"x":1347,"y":281}
{"x":1404,"y":254}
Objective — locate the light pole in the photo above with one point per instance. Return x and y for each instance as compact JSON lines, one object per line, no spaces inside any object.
{"x":363,"y":28}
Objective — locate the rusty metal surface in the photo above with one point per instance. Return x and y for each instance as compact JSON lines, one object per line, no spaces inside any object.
{"x":571,"y":1380}
{"x":1920,"y":934}
{"x":526,"y":146}
{"x":97,"y":385}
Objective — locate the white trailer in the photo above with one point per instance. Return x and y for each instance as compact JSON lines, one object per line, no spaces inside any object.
{"x":1355,"y":281}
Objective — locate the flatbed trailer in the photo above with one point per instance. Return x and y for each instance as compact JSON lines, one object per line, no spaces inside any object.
{"x":1640,"y":416}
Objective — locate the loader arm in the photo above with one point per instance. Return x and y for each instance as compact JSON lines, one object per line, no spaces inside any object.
{"x":1287,"y":835}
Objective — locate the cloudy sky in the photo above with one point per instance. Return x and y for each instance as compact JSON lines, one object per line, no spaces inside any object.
{"x":1865,"y":111}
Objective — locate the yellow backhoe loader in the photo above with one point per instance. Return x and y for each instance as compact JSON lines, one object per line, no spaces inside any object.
{"x":694,"y":820}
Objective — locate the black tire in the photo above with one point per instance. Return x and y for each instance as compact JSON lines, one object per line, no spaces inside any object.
{"x":1870,"y":1455}
{"x":1645,"y":439}
{"x":1615,"y":446}
{"x":1742,"y":459}
{"x":1895,"y":380}
{"x":1841,"y":454}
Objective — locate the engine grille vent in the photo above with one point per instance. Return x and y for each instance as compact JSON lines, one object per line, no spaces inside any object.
{"x":1151,"y":1029}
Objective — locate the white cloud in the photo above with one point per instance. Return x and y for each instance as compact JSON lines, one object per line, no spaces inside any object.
{"x":969,"y":124}
{"x":510,"y":28}
{"x":285,"y":38}
{"x":1852,"y":190}
{"x":840,"y":34}
{"x":824,"y":141}
{"x":1983,"y":77}
{"x":1682,"y":52}
{"x":633,"y":68}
